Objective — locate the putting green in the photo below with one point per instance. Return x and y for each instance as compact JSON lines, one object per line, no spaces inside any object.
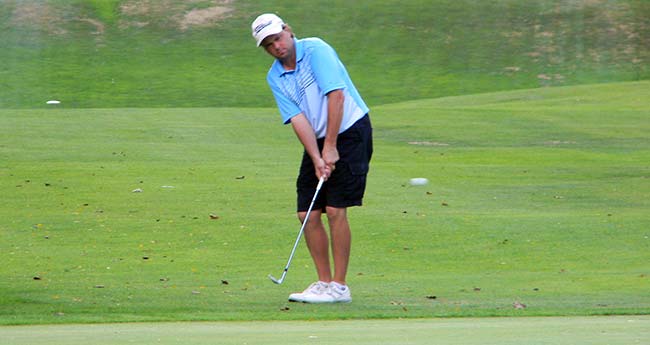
{"x":535,"y":330}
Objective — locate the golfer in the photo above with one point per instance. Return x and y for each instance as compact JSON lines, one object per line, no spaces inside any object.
{"x":316,"y":96}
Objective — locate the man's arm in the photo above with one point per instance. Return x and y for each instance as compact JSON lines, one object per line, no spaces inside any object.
{"x":334,"y":117}
{"x":305,"y":134}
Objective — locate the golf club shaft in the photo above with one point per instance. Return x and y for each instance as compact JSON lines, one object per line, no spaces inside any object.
{"x":302,"y":228}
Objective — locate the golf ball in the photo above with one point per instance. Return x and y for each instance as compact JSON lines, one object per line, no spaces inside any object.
{"x":418,"y":181}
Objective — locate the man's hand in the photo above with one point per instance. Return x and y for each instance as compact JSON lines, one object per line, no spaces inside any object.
{"x":322,"y":169}
{"x":330,"y":156}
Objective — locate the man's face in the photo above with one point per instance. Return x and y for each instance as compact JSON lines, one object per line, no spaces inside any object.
{"x":279,"y":45}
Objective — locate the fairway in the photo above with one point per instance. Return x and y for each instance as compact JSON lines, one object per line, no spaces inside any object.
{"x":537,"y":197}
{"x":612,"y":330}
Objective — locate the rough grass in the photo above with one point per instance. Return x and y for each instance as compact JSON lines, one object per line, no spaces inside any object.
{"x":143,"y":53}
{"x":536,"y":198}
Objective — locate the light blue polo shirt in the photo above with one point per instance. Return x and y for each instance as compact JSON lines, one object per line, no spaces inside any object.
{"x":304,"y":90}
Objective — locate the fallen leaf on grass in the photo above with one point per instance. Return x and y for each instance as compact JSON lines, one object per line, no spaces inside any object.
{"x":519,"y":305}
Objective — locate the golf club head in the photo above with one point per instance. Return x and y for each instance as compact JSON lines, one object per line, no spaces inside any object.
{"x":277,"y":281}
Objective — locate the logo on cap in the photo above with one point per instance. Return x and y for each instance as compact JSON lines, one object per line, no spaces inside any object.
{"x":262,"y":26}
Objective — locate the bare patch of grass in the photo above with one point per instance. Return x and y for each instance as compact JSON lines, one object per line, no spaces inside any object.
{"x":427,"y":143}
{"x":38,"y":15}
{"x":204,"y":17}
{"x":182,"y":15}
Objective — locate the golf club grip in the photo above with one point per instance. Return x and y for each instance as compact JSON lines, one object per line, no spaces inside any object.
{"x":318,"y":187}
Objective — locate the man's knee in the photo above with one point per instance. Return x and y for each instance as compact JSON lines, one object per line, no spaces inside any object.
{"x":336,"y":214}
{"x":314,"y":216}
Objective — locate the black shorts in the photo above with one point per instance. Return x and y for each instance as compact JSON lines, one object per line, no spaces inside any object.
{"x":347,"y":184}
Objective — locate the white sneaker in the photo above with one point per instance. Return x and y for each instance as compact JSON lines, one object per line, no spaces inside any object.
{"x":339,"y":293}
{"x":315,"y":292}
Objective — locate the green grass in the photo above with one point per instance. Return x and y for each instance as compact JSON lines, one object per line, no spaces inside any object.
{"x":558,"y":331}
{"x":105,"y":54}
{"x":535,"y":196}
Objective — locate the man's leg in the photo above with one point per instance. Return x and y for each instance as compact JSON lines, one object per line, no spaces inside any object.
{"x":318,"y":244}
{"x":341,"y":241}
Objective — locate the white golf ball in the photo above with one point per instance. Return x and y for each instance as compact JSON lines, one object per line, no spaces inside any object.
{"x":418,"y":181}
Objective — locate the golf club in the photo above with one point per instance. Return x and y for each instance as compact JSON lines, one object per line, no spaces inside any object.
{"x":302,"y":228}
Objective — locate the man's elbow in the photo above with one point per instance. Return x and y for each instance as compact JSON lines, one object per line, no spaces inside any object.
{"x":336,"y":95}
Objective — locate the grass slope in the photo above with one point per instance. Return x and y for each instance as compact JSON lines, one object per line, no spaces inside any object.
{"x":140,"y":53}
{"x":538,"y":197}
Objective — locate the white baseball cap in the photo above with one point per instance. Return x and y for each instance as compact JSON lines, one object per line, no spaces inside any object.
{"x":265,"y":25}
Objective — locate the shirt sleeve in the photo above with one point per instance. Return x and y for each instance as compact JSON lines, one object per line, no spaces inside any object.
{"x":287,"y":107}
{"x":327,"y":68}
